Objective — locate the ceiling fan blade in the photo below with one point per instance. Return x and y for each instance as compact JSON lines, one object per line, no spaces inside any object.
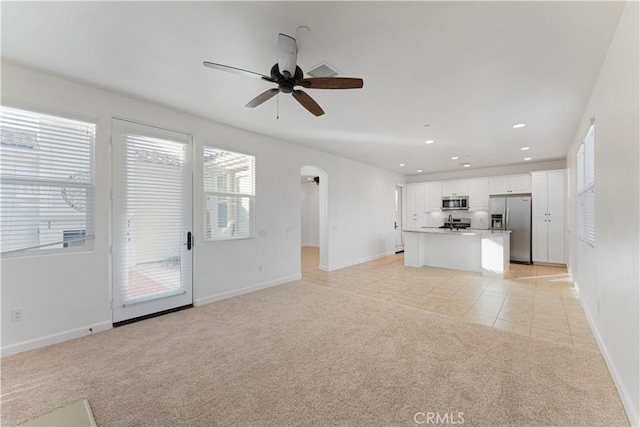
{"x":235,"y":70}
{"x":264,"y":96}
{"x":308,"y":102}
{"x":332,"y":83}
{"x":287,"y":55}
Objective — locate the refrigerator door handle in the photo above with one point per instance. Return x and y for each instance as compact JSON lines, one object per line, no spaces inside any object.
{"x":504,"y":218}
{"x":506,"y":224}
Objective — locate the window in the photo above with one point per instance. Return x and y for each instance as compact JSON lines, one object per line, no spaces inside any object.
{"x":580,"y":190}
{"x":229,"y":189}
{"x":47,"y":186}
{"x":586,"y":188}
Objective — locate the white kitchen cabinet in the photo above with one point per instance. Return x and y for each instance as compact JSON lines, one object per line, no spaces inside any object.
{"x":548,"y":197}
{"x":414,"y":216}
{"x":433,"y":196}
{"x":548,"y":193}
{"x":520,"y":184}
{"x":479,"y":194}
{"x":548,"y":240}
{"x":455,"y":188}
{"x":555,"y":242}
{"x":499,"y":185}
{"x":539,"y":238}
{"x":516,"y":184}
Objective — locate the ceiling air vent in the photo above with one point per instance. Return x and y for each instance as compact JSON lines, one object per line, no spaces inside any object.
{"x":323,"y":70}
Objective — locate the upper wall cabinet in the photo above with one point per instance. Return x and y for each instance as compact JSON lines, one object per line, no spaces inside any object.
{"x":479,"y":194}
{"x":433,"y":197}
{"x":549,"y":193}
{"x":455,"y":188}
{"x":516,"y":184}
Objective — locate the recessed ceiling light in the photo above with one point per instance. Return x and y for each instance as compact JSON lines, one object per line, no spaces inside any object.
{"x":302,"y":30}
{"x":401,"y":164}
{"x":525,"y":148}
{"x":455,"y":158}
{"x":429,"y":141}
{"x":466,"y":165}
{"x":419,"y":170}
{"x":519,"y":125}
{"x":527,"y":158}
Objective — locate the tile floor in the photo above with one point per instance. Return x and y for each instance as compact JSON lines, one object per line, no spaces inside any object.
{"x":536,"y":301}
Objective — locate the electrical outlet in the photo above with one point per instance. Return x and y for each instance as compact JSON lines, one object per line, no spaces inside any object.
{"x":16,"y":315}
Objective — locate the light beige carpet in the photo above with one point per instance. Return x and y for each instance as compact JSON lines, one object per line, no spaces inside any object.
{"x":301,"y":354}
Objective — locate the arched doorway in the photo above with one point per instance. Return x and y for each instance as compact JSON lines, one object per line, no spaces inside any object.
{"x":313,"y":218}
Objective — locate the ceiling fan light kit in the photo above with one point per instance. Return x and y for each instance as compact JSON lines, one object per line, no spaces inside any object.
{"x":287,"y":75}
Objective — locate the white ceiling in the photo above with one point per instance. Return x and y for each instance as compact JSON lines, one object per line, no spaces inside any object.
{"x":470,"y":70}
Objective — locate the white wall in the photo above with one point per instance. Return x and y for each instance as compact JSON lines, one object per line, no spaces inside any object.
{"x":607,"y":275}
{"x":64,"y":295}
{"x":467,"y":173}
{"x":309,"y":214}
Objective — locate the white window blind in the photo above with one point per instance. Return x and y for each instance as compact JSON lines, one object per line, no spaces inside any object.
{"x":589,"y":216}
{"x":152,"y":228}
{"x":589,"y":187}
{"x":589,"y":158}
{"x":585,"y":170}
{"x":580,"y":191}
{"x":229,"y":188}
{"x":47,"y":179}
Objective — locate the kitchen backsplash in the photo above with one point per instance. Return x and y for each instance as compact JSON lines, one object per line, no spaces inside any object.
{"x":478,"y":219}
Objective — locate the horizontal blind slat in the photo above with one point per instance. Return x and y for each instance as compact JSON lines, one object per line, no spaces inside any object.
{"x":153,"y":231}
{"x":47,"y":180}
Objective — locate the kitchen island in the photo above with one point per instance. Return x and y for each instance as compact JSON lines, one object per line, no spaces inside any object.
{"x":485,"y":251}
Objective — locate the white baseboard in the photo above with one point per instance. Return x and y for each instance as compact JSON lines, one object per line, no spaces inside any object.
{"x":55,"y":338}
{"x":627,"y":402}
{"x":355,"y":262}
{"x":242,"y":291}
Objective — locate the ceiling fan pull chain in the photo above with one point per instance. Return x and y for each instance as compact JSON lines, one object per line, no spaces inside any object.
{"x":278,"y":106}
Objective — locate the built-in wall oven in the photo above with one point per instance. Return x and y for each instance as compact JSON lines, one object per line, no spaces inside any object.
{"x":455,"y":203}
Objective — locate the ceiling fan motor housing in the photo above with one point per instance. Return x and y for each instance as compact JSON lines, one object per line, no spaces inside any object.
{"x":286,"y":84}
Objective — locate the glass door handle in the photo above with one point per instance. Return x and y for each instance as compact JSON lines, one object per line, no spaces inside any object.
{"x":189,"y":242}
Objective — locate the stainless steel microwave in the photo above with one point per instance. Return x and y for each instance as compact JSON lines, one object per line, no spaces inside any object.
{"x":455,"y":203}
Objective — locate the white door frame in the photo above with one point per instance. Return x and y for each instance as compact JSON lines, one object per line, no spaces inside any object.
{"x":399,"y":216}
{"x":158,"y":303}
{"x":323,"y":215}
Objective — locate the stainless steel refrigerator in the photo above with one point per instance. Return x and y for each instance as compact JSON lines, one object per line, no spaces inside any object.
{"x":513,"y":213}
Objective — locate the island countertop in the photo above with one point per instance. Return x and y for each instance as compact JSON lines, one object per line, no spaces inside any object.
{"x":461,"y":232}
{"x":481,"y":250}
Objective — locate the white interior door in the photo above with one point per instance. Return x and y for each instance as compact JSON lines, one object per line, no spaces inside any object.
{"x":152,"y":220}
{"x":398,"y":222}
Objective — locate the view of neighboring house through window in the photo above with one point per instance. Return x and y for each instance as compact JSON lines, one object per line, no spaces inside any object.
{"x":47,"y":182}
{"x":229,"y":188}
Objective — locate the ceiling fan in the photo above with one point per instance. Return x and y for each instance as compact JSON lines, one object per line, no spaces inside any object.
{"x":287,"y":75}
